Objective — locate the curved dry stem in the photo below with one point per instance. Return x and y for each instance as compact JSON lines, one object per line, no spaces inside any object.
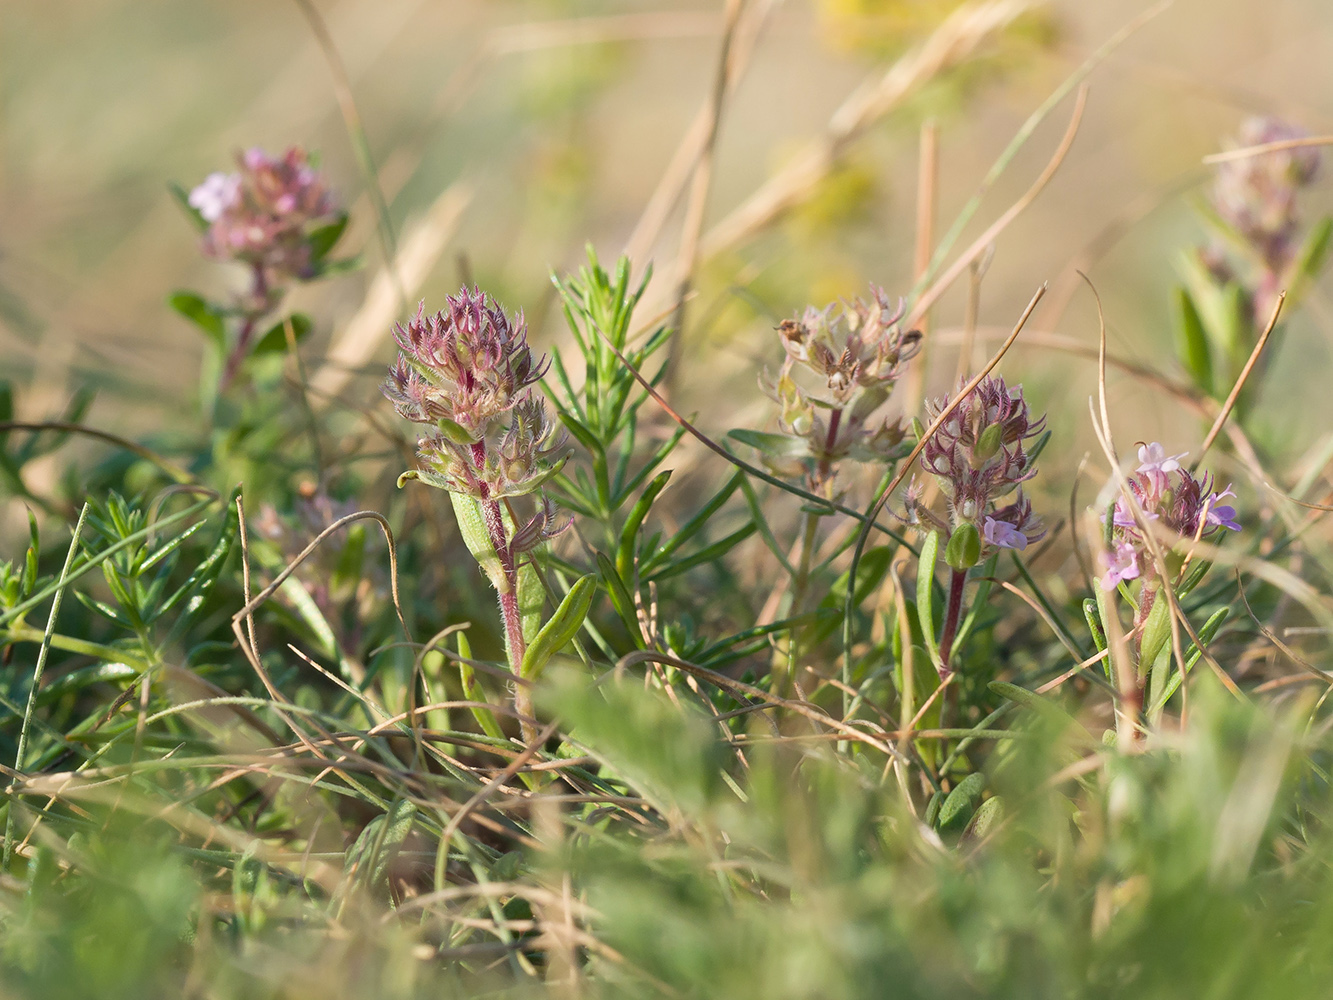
{"x":176,"y":472}
{"x":979,"y":245}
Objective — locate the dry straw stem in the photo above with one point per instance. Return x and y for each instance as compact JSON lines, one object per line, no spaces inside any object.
{"x":1271,"y":636}
{"x":176,"y":472}
{"x":490,"y":788}
{"x":927,"y":199}
{"x":952,"y":43}
{"x":342,"y":88}
{"x":742,"y":37}
{"x":69,"y":786}
{"x":981,"y":243}
{"x":37,"y":672}
{"x":1245,"y":152}
{"x":423,"y":243}
{"x":688,"y":254}
{"x":246,"y":614}
{"x":534,"y":36}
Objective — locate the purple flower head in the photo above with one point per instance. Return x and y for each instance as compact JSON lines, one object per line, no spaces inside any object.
{"x":1122,"y":565}
{"x":1256,"y":195}
{"x":851,"y":354}
{"x":1222,"y":515}
{"x":262,"y":214}
{"x":218,"y":193}
{"x":979,"y":453}
{"x":1169,"y":497}
{"x":857,"y":346}
{"x":1013,"y":526}
{"x":1003,"y":535}
{"x":467,"y":372}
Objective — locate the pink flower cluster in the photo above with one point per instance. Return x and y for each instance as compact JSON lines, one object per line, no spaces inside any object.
{"x":1256,"y":195}
{"x":262,"y":214}
{"x":1166,"y":495}
{"x":979,"y":457}
{"x":857,"y":350}
{"x":468,"y":372}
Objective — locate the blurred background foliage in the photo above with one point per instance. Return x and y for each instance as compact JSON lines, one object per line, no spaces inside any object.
{"x":560,"y":133}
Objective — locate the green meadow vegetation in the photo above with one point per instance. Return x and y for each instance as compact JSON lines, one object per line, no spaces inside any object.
{"x":511,"y":647}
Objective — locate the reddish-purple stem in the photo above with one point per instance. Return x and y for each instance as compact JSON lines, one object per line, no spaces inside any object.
{"x":957,"y":579}
{"x":259,"y":293}
{"x":511,"y":615}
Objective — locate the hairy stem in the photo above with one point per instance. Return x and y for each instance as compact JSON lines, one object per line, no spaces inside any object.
{"x":952,"y":615}
{"x":516,"y":644}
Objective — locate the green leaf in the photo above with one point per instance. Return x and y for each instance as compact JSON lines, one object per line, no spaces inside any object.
{"x":562,"y":627}
{"x":205,"y":315}
{"x":959,"y":802}
{"x":772,"y":445}
{"x":630,"y":533}
{"x":706,"y":556}
{"x":379,"y":842}
{"x":274,"y":341}
{"x":1043,"y":707}
{"x":925,"y":584}
{"x":455,"y":431}
{"x":1156,"y":632}
{"x":29,"y":578}
{"x":932,"y":813}
{"x":1192,"y":341}
{"x":1310,"y":260}
{"x":620,"y":597}
{"x":985,"y":819}
{"x":472,"y":526}
{"x":322,"y":239}
{"x":667,"y":751}
{"x":328,"y":268}
{"x":1192,"y":655}
{"x":472,"y":692}
{"x":531,"y":597}
{"x":1094,"y":626}
{"x":964,"y":548}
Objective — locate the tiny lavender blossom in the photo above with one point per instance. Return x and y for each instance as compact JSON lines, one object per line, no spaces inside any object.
{"x":1169,"y":496}
{"x":857,"y":350}
{"x":467,"y":373}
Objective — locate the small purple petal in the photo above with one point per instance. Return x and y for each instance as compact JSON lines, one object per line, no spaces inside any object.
{"x":215,"y":195}
{"x":1121,"y":565}
{"x":1222,"y":514}
{"x":1153,"y":458}
{"x":1003,"y":535}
